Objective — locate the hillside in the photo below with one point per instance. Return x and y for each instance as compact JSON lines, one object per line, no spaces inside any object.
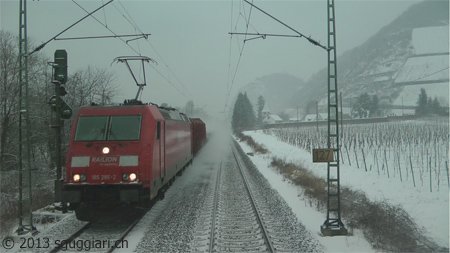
{"x":274,"y":88}
{"x":372,"y":66}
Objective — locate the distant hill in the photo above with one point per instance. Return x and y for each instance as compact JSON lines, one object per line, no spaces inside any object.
{"x":372,"y":66}
{"x":274,"y":88}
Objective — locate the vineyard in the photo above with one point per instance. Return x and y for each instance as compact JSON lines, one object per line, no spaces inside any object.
{"x":416,"y":152}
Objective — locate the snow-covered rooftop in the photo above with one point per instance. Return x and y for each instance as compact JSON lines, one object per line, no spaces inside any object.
{"x":276,"y":117}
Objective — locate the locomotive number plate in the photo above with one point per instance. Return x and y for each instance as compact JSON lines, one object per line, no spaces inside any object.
{"x":103,"y":177}
{"x":323,"y":155}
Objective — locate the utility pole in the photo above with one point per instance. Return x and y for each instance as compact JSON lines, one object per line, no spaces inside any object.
{"x":317,"y":116}
{"x":25,"y":190}
{"x":333,"y":224}
{"x":342,"y":116}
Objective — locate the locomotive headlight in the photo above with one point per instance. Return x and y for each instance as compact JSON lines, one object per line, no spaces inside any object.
{"x":133,"y":177}
{"x":125,"y":177}
{"x":105,"y":150}
{"x":79,"y":177}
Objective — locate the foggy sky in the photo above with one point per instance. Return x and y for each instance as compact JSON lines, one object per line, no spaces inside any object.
{"x":192,"y":39}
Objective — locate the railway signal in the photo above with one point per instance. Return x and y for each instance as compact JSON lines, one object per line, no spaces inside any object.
{"x":60,"y":67}
{"x":65,"y":109}
{"x":62,"y":111}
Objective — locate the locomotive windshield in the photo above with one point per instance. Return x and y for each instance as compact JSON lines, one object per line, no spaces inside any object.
{"x":108,"y":128}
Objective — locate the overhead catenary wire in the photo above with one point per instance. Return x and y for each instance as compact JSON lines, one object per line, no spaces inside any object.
{"x":312,"y":41}
{"x":247,"y":21}
{"x":300,"y":35}
{"x":138,"y":52}
{"x":230,"y":86}
{"x":104,"y":15}
{"x":106,"y":37}
{"x":134,"y":24}
{"x":89,"y":14}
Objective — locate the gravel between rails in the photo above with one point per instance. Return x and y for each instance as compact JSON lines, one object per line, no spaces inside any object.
{"x":285,"y":231}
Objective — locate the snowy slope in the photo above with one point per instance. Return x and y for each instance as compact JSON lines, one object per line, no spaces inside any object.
{"x":430,"y":40}
{"x":410,"y":93}
{"x":430,"y":210}
{"x":424,"y":69}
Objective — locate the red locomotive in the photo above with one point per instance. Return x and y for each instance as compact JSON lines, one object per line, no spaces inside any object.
{"x":127,"y":154}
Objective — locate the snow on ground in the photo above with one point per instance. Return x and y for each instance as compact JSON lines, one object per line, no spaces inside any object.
{"x":307,"y":215}
{"x":410,"y":93}
{"x":429,"y":40}
{"x":430,"y":210}
{"x":424,"y":69}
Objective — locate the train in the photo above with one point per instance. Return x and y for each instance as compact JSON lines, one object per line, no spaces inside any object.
{"x":127,"y":155}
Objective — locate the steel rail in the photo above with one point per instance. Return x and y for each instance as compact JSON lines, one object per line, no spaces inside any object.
{"x":88,"y":225}
{"x":72,"y":237}
{"x":129,"y":229}
{"x":269,"y":244}
{"x":215,"y":207}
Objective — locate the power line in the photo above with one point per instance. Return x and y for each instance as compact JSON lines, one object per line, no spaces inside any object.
{"x":247,"y":21}
{"x":312,"y":41}
{"x":89,"y":14}
{"x":105,"y":37}
{"x":134,"y":24}
{"x":138,"y":53}
{"x":267,"y":35}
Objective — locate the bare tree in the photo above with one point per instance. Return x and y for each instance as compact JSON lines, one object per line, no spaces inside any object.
{"x":90,"y":85}
{"x":84,"y":87}
{"x":8,"y":98}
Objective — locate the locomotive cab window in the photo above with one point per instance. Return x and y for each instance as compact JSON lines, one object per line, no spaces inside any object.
{"x":108,"y":128}
{"x":125,"y":128}
{"x":91,"y":128}
{"x":158,"y":129}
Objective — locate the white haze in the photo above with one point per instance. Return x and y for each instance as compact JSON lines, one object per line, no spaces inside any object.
{"x":192,"y":39}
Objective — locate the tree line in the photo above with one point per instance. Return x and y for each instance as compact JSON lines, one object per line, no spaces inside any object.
{"x":426,"y":105}
{"x":366,"y":106}
{"x":243,"y":116}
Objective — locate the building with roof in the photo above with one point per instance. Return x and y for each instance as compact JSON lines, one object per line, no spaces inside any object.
{"x":268,"y":118}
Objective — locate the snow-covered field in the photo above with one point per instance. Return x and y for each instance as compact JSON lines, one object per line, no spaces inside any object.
{"x":430,"y":210}
{"x":410,"y":94}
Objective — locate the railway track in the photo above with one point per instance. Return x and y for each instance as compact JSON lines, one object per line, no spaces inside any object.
{"x":104,"y":235}
{"x":240,"y":217}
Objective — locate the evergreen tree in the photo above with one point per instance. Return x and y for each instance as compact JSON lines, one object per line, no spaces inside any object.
{"x":243,"y":116}
{"x":435,"y":106}
{"x":374,"y":109}
{"x":249,"y":114}
{"x":422,"y":101}
{"x":429,"y":108}
{"x":236,"y":118}
{"x":261,"y":103}
{"x":362,"y":106}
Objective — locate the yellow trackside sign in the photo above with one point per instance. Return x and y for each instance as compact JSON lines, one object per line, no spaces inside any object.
{"x":323,"y":155}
